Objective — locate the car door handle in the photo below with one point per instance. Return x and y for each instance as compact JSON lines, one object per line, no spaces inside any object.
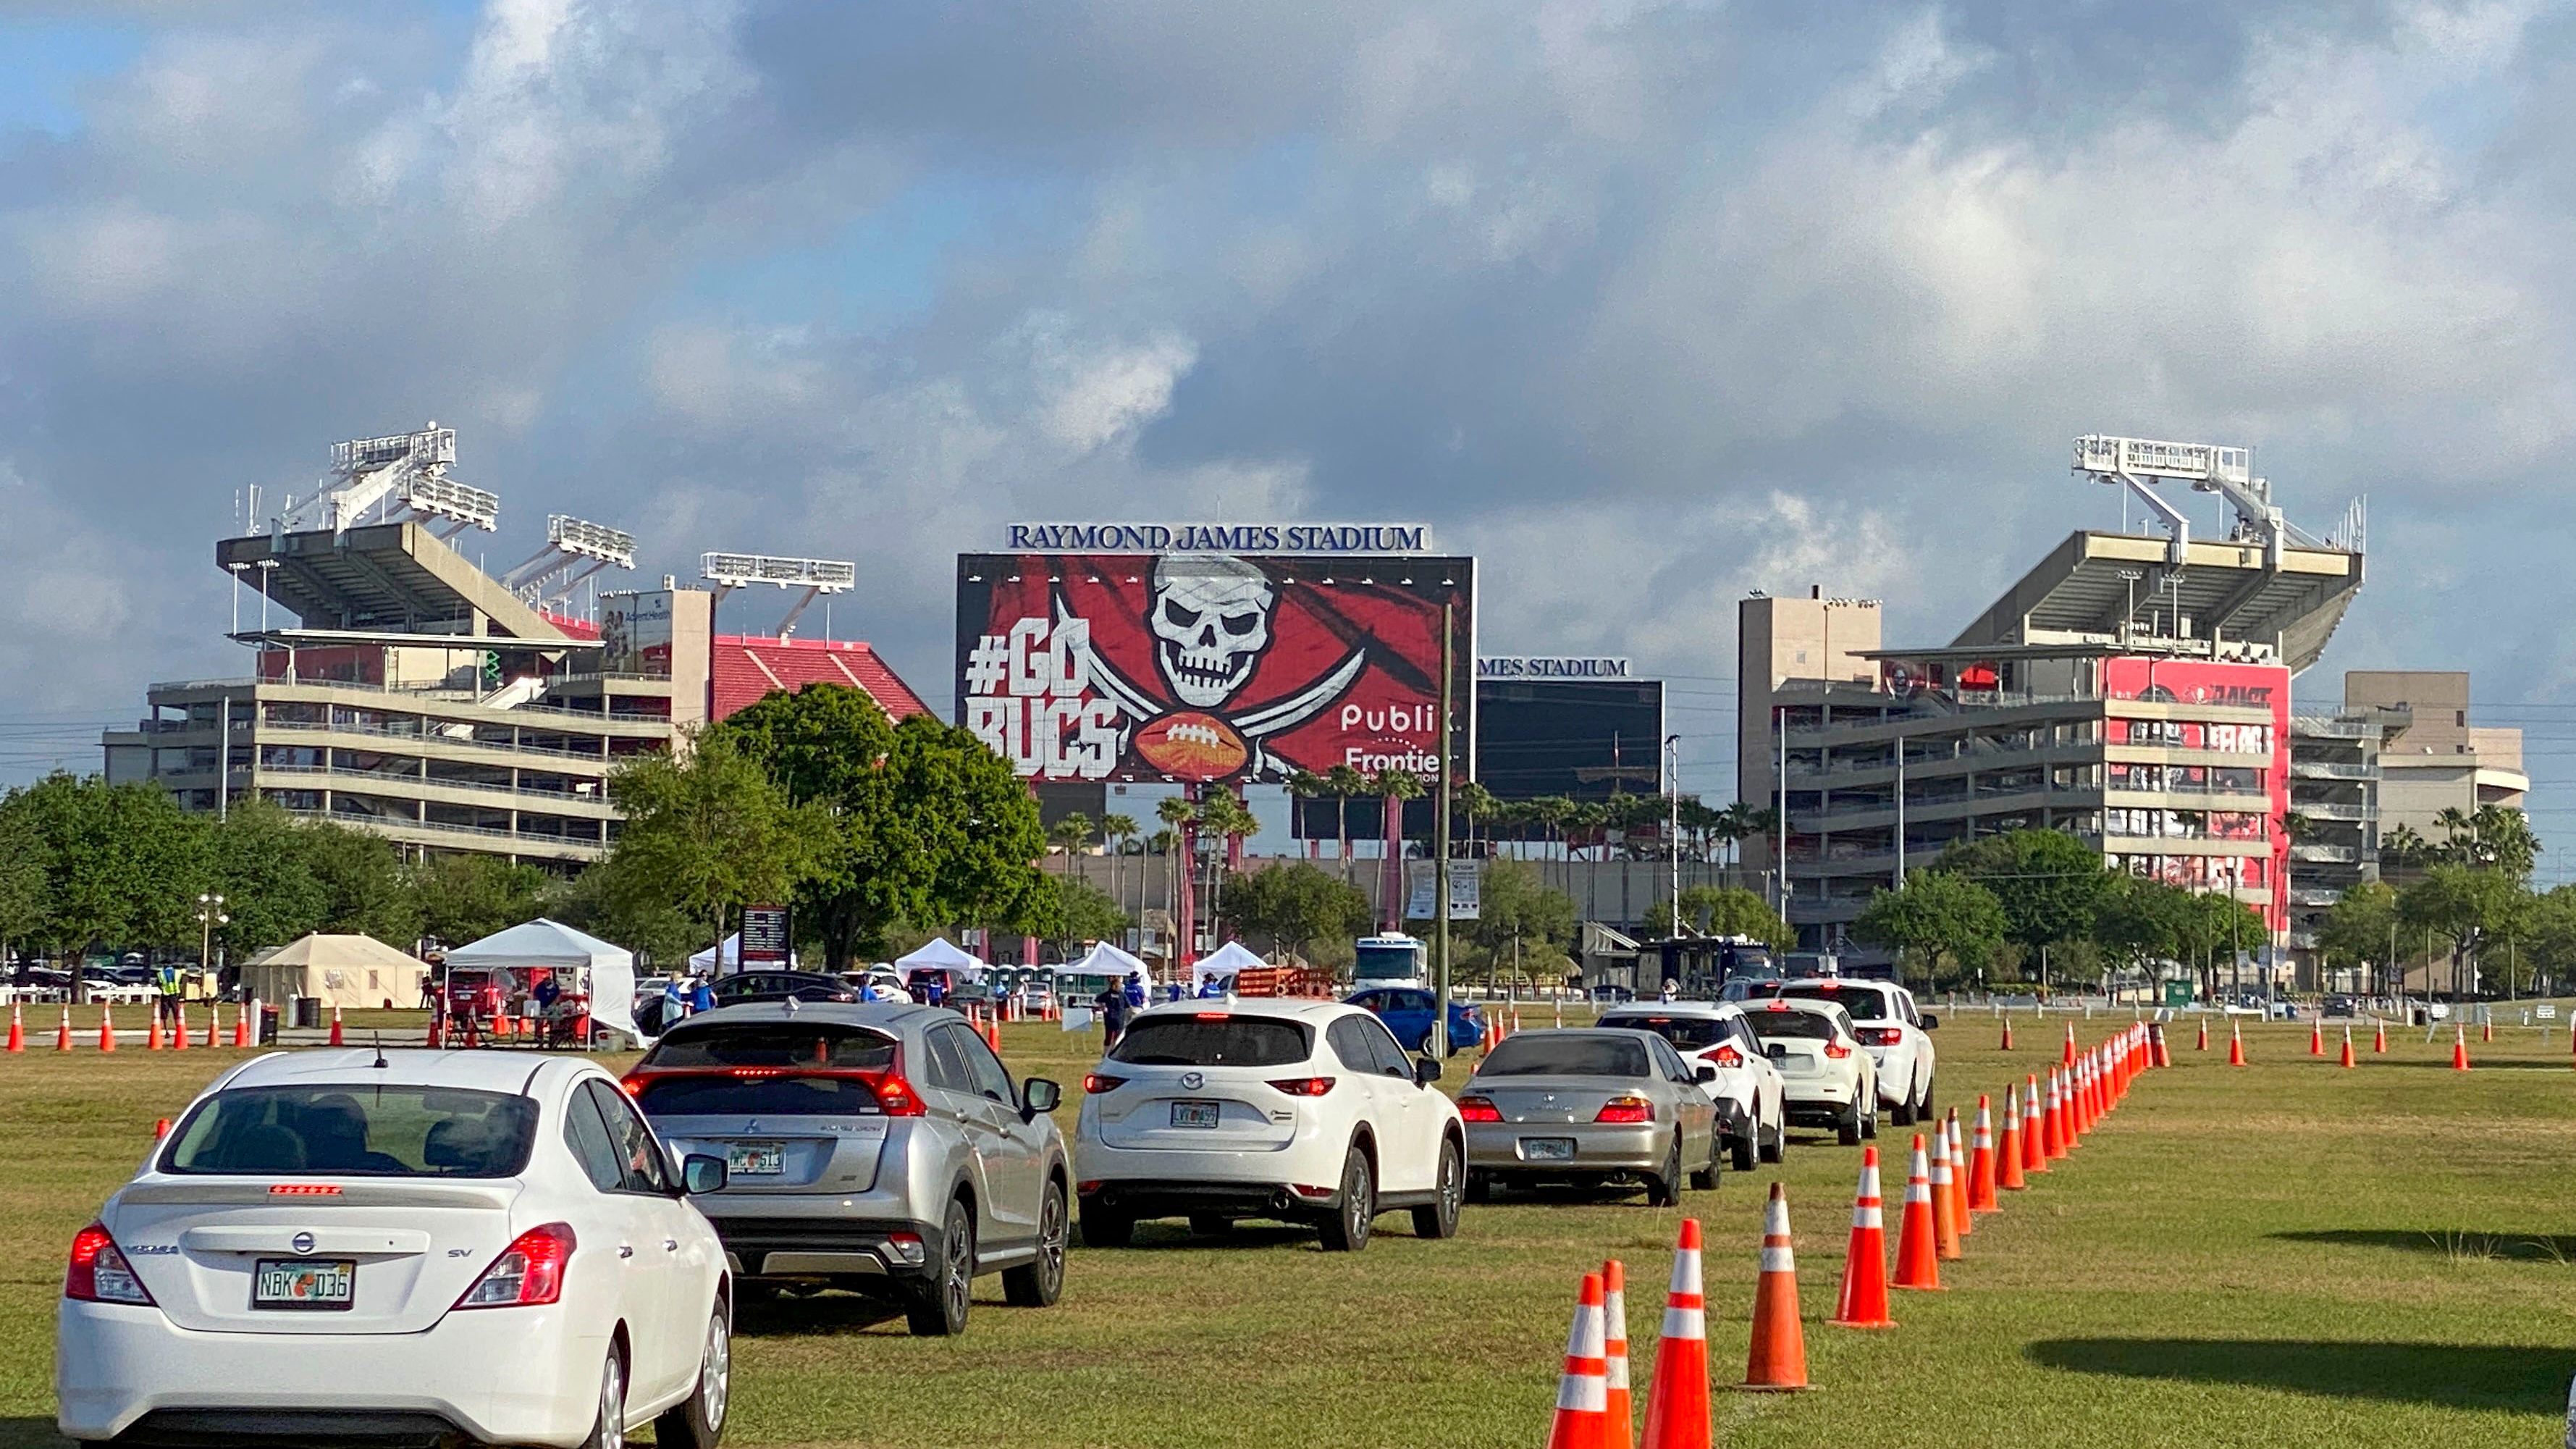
{"x":626,"y":1250}
{"x":670,"y":1245}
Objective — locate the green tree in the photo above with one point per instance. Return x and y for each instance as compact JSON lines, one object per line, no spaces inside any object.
{"x":1084,"y":912}
{"x":1118,"y":831}
{"x":960,"y":806}
{"x":25,"y":862}
{"x":261,"y":867}
{"x":1070,"y":834}
{"x":709,"y":831}
{"x":2461,"y":906}
{"x":1296,"y":907}
{"x":123,"y":864}
{"x":1520,"y":921}
{"x":596,"y":901}
{"x":2550,"y":944}
{"x":2050,"y":884}
{"x":1935,"y":918}
{"x":2361,"y":930}
{"x":1735,"y":911}
{"x":361,"y":879}
{"x":463,"y":898}
{"x":1344,"y":783}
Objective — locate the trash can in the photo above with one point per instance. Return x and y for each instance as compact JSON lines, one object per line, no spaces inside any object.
{"x":308,"y":1011}
{"x":268,"y":1024}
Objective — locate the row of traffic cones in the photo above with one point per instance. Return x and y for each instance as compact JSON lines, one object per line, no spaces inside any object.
{"x":153,"y":1040}
{"x":2346,"y":1057}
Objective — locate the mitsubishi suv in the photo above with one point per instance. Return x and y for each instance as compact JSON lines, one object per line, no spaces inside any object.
{"x":876,"y":1147}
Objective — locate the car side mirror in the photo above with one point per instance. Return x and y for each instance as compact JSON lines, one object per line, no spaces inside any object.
{"x":1704,"y":1072}
{"x":1037,"y":1097}
{"x":1931,"y":1022}
{"x":1426,"y":1070}
{"x":701,"y":1174}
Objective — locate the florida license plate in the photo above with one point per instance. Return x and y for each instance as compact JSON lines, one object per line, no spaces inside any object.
{"x":1547,"y":1149}
{"x":304,"y":1283}
{"x":754,"y":1159}
{"x":1194,"y":1114}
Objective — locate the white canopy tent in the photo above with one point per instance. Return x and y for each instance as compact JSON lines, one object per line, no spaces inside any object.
{"x":1107,"y":960}
{"x":1223,"y":963}
{"x":938,"y":955}
{"x":341,"y":971}
{"x":606,"y":972}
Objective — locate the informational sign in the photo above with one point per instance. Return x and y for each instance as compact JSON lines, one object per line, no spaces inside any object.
{"x":1198,"y":667}
{"x":635,"y":633}
{"x":1528,"y":666}
{"x":1466,"y":889}
{"x":764,"y":936}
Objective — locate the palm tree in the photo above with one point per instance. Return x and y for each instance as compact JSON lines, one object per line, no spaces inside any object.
{"x":1342,"y":782}
{"x":1174,"y":812}
{"x":1399,"y":786}
{"x":1070,"y":834}
{"x":1304,"y":785}
{"x":1476,"y":803}
{"x":2403,"y":845}
{"x":1225,"y":817}
{"x":1117,"y":830}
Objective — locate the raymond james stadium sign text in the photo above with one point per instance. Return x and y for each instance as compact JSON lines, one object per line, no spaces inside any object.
{"x":1355,"y":538}
{"x":1551,"y":667}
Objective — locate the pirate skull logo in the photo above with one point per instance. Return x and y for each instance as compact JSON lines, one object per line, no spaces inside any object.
{"x":1211,"y":621}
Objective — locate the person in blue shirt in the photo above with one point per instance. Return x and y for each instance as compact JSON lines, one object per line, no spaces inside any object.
{"x":675,"y":1000}
{"x":702,"y":997}
{"x":1135,"y":988}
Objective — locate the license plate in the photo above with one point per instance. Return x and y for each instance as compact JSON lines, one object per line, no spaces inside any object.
{"x":1775,"y":1051}
{"x":754,"y":1159}
{"x":1194,"y":1114}
{"x":1547,"y":1149}
{"x":304,"y":1283}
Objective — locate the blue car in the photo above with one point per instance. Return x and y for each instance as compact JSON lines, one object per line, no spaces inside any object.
{"x":1406,"y":1010}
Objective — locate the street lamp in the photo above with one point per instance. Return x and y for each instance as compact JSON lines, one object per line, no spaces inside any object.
{"x":1673,"y":829}
{"x":210,"y":914}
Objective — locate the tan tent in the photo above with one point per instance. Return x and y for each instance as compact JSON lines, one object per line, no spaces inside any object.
{"x":346,"y":971}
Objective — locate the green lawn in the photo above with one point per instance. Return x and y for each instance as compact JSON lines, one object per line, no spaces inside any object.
{"x":2285,"y":1255}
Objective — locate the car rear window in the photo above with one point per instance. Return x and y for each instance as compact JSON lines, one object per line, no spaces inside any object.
{"x":1859,"y":1003}
{"x":357,"y":1130}
{"x":1549,"y":1054}
{"x":1223,"y":1041}
{"x":1806,"y":1025}
{"x":837,"y":1045}
{"x":1690,"y":1033}
{"x":786,"y":1095}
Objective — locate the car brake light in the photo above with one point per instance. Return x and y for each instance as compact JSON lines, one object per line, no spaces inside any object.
{"x":304,"y":1189}
{"x":99,"y":1273}
{"x":1625,"y":1109}
{"x":1777,"y":1005}
{"x":1727,"y":1056}
{"x":1478,"y":1109}
{"x":1878,"y":1035}
{"x":897,"y":1097}
{"x":1837,"y":1050}
{"x":1209,"y":1015}
{"x":530,"y":1271}
{"x":1095,"y":1083}
{"x":1303,"y":1086}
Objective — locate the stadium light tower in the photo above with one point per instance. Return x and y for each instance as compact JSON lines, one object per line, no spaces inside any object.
{"x":547,"y":576}
{"x":816,"y":576}
{"x":2140,"y":464}
{"x":409,"y":469}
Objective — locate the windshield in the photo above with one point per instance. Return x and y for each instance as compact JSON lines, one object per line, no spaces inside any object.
{"x":1568,"y":1054}
{"x":1400,"y":962}
{"x":1802,"y":1025}
{"x":1228,"y":1041}
{"x":772,"y":1044}
{"x":1859,"y":1003}
{"x":1690,"y":1033}
{"x":361,"y":1130}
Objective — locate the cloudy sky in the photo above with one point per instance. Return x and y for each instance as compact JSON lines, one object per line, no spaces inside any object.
{"x":1645,"y":303}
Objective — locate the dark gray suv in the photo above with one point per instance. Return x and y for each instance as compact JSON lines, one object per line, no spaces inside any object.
{"x":879,"y":1147}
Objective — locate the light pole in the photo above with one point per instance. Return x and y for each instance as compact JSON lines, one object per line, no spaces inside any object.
{"x":266,"y":567}
{"x":1673,"y":828}
{"x":237,"y":568}
{"x":210,"y":914}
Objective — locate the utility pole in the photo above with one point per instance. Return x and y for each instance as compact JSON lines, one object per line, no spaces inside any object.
{"x":1439,"y":1039}
{"x":1899,"y":745}
{"x":1673,"y":828}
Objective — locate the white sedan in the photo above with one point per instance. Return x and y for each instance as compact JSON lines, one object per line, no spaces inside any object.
{"x":347,"y":1245}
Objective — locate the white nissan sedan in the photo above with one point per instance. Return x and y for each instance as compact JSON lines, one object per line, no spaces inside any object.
{"x":401,"y":1247}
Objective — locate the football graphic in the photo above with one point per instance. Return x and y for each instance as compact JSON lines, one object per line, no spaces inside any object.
{"x":1192,"y":746}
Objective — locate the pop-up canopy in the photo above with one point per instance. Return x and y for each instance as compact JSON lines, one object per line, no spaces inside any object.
{"x":606,"y":972}
{"x":1224,"y":962}
{"x":348,"y":971}
{"x":938,"y":955}
{"x":1107,"y":960}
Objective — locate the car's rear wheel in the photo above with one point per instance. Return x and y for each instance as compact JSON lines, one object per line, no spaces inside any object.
{"x":1924,"y":1111}
{"x":1705,"y":1179}
{"x":608,"y":1429}
{"x":1347,"y":1230}
{"x":1847,"y":1131}
{"x":1777,"y":1146}
{"x":1104,"y":1228}
{"x":1903,"y":1113}
{"x":1040,"y":1283}
{"x":1440,"y":1219}
{"x":1747,"y":1148}
{"x":939,"y":1303}
{"x":1665,"y":1188}
{"x":697,"y":1422}
{"x":1869,"y":1123}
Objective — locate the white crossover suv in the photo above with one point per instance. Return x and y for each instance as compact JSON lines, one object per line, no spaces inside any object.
{"x":1305,"y":1111}
{"x":1752,"y":1109}
{"x":352,"y":1246}
{"x":1829,"y":1077}
{"x":1896,"y":1036}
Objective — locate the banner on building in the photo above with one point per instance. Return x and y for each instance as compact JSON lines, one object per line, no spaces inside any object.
{"x":2190,"y":685}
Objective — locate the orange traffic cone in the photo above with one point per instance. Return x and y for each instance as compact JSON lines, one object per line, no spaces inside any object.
{"x":2235,"y":1045}
{"x":1677,"y":1407}
{"x":2203,"y":1044}
{"x":106,"y":1028}
{"x":1620,"y":1430}
{"x":1945,"y":1223}
{"x":2460,"y":1049}
{"x":1863,"y":1302}
{"x":337,"y":1038}
{"x":2347,"y":1047}
{"x":1582,"y":1391}
{"x":2379,"y":1037}
{"x":160,"y":1129}
{"x":2067,"y":1059}
{"x":215,"y":1024}
{"x":17,"y":1027}
{"x":2007,"y":1046}
{"x":1959,"y":1215}
{"x":2008,"y":1174}
{"x":152,"y":1033}
{"x":179,"y":1029}
{"x":1778,"y":1360}
{"x":1918,"y":1238}
{"x":2486,"y":1029}
{"x":2052,"y":1125}
{"x":2034,"y":1127}
{"x":2316,"y":1038}
{"x":993,"y":1035}
{"x":1981,"y":1163}
{"x":63,"y":1038}
{"x":241,"y":1023}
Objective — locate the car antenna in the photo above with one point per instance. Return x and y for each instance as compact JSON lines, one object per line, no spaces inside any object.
{"x":380,"y":1061}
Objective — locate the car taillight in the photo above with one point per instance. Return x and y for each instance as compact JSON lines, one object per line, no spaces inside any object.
{"x":1095,"y":1083}
{"x":99,"y":1273}
{"x":1625,"y":1109}
{"x":1878,"y":1035}
{"x":1727,"y":1056}
{"x":1837,"y":1050}
{"x":1303,"y":1086}
{"x":897,"y":1097}
{"x":1478,"y":1109}
{"x":530,"y":1271}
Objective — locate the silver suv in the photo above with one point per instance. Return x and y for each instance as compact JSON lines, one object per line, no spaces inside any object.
{"x":877,"y":1147}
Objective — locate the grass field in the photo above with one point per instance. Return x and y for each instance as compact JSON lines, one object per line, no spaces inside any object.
{"x":2290,"y":1254}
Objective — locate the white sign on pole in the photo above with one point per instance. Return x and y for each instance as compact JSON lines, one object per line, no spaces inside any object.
{"x":2545,"y":1011}
{"x":1466,"y":889}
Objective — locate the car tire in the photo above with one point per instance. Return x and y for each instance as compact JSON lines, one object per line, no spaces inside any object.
{"x":608,"y":1426}
{"x":1664,"y":1189}
{"x":1926,"y":1110}
{"x":1347,"y":1230}
{"x":1705,"y":1180}
{"x":1847,"y":1131}
{"x":1747,"y":1150}
{"x":698,"y":1421}
{"x":1440,"y":1218}
{"x":1902,"y":1114}
{"x":1869,"y":1124}
{"x":1778,"y":1146}
{"x":1039,"y":1284}
{"x":1211,"y":1225}
{"x":1102,"y":1228}
{"x":938,"y":1305}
